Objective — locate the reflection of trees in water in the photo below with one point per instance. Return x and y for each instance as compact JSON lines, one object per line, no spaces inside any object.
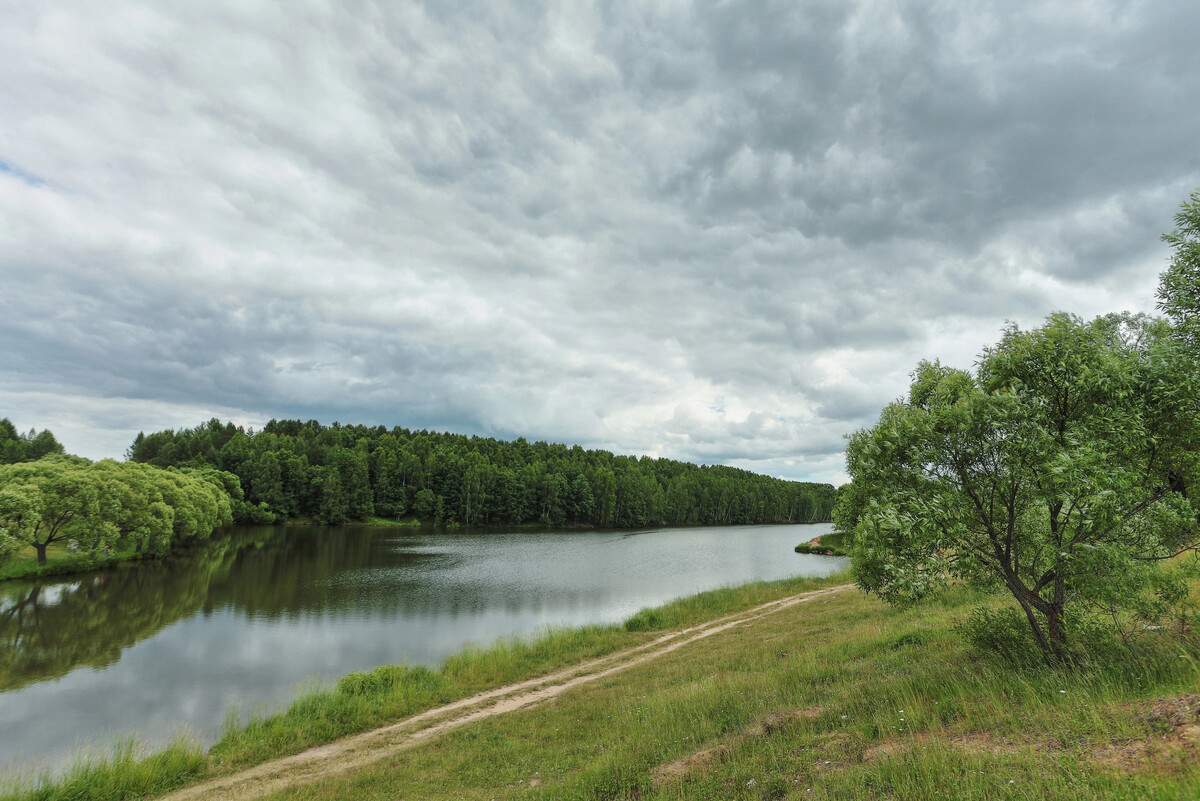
{"x":49,"y":628}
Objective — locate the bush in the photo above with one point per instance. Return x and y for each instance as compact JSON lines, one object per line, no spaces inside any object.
{"x":1003,"y":633}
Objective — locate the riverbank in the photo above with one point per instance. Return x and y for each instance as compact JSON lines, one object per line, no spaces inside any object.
{"x":841,"y":697}
{"x":61,"y":562}
{"x":833,"y":544}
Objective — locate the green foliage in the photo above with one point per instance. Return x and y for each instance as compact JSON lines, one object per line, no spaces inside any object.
{"x":16,"y":447}
{"x":1179,"y":286}
{"x":337,"y":473}
{"x":109,"y":507}
{"x":1058,"y":472}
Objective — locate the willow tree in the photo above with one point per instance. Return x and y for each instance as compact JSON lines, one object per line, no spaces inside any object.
{"x":1057,"y":470}
{"x":1179,"y":286}
{"x":52,"y":500}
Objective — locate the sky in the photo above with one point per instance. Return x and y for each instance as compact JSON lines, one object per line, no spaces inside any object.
{"x":720,"y":232}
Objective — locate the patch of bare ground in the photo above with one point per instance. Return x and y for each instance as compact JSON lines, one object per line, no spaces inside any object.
{"x":1172,"y":743}
{"x":762,"y":727}
{"x":687,"y":765}
{"x":888,"y":748}
{"x":781,"y":719}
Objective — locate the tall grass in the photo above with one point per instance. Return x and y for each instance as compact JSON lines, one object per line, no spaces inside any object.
{"x":127,"y":773}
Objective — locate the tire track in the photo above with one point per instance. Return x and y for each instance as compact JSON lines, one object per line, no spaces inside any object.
{"x":359,"y":750}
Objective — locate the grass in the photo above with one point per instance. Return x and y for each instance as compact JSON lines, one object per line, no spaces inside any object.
{"x":59,"y":561}
{"x":404,"y":522}
{"x":126,"y":773}
{"x":836,"y":699}
{"x":362,"y":701}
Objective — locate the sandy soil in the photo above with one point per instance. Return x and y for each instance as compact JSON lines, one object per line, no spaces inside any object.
{"x":354,"y":752}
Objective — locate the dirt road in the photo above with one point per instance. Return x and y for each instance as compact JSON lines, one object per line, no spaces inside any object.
{"x":354,"y":752}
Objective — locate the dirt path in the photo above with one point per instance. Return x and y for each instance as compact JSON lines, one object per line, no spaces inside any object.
{"x":356,"y":751}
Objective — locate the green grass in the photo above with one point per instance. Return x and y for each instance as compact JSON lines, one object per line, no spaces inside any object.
{"x":126,"y":773}
{"x":59,"y":561}
{"x":836,"y":699}
{"x":404,"y":522}
{"x":362,"y":701}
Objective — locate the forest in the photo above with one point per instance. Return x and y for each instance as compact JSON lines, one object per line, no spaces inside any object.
{"x":340,"y":473}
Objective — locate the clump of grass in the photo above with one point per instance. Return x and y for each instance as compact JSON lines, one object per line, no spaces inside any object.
{"x":128,"y":773}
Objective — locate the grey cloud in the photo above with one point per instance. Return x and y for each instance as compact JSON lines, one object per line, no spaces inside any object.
{"x":712,"y":231}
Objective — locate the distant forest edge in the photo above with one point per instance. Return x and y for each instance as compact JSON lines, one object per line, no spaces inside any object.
{"x":342,"y":473}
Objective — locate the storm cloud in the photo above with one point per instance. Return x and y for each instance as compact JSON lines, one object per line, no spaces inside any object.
{"x":722,"y":232}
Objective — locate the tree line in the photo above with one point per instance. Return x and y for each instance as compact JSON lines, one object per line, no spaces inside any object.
{"x":17,"y":447}
{"x":1064,"y":470}
{"x":339,"y":473}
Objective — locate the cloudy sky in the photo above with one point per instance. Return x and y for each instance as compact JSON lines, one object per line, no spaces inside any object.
{"x":723,"y":232}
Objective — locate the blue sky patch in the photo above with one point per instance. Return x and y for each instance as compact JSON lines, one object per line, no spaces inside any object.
{"x":21,"y":175}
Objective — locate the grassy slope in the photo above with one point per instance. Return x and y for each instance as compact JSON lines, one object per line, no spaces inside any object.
{"x":844,"y":699}
{"x":805,"y":703}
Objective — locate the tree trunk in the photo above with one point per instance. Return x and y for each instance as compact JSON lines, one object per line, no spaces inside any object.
{"x":1058,"y":636}
{"x":41,"y":551}
{"x":1042,"y":640}
{"x":1054,"y":620}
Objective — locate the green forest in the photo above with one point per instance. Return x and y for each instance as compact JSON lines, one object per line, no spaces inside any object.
{"x":340,"y":473}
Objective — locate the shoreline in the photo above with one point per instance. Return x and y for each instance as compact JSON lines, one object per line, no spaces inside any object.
{"x":25,"y":567}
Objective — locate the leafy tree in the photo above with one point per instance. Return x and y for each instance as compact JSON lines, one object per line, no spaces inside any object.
{"x":1179,"y":286}
{"x":1057,"y":472}
{"x":848,"y":507}
{"x":580,"y":500}
{"x":20,"y":512}
{"x":64,"y":498}
{"x":129,"y":507}
{"x":426,"y":505}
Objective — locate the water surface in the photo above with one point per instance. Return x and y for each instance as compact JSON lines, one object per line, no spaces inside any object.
{"x":244,"y":622}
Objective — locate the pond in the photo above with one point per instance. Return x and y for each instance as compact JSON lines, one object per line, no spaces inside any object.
{"x":242,"y":623}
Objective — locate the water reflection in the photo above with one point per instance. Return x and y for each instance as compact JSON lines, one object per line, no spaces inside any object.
{"x":243,"y":621}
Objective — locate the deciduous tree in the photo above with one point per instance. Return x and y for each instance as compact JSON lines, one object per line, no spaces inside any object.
{"x":1057,"y":471}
